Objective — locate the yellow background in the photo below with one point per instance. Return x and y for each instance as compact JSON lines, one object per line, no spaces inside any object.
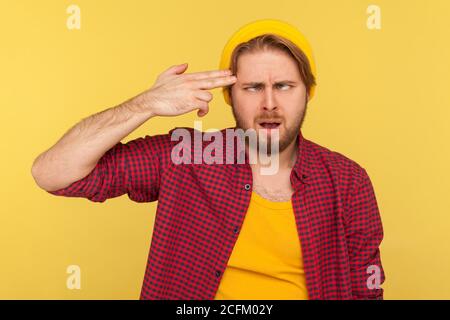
{"x":382,"y":99}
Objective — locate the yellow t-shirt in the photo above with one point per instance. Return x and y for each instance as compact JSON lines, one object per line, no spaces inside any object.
{"x":266,"y":262}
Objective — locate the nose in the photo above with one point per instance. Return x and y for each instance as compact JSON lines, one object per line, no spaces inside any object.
{"x":269,"y":103}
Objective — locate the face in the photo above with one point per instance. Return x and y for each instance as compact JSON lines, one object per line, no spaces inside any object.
{"x":269,"y":94}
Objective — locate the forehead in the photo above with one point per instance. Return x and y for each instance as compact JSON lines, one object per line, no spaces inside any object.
{"x":267,"y":63}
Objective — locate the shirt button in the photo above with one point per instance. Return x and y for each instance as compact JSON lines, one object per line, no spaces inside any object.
{"x":236,"y":230}
{"x":247,"y":187}
{"x":217,"y":273}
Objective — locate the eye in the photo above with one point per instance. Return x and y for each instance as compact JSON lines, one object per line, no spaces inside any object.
{"x":247,"y":89}
{"x":278,"y":86}
{"x":283,"y":85}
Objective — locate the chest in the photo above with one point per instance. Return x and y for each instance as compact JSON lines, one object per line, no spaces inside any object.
{"x":276,"y":187}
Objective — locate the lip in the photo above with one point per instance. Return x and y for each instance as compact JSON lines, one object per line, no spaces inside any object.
{"x":269,"y":121}
{"x":269,"y":124}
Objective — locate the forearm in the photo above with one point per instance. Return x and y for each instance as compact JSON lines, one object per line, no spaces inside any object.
{"x":78,"y":151}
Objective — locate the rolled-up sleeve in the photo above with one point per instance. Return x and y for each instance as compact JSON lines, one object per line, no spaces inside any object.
{"x":132,"y":168}
{"x":364,"y":233}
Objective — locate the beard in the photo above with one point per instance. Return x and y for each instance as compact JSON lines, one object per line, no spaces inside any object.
{"x":285,"y":138}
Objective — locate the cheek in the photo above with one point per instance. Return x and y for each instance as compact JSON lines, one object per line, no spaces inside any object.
{"x":293,"y":112}
{"x":244,"y":113}
{"x":244,"y":107}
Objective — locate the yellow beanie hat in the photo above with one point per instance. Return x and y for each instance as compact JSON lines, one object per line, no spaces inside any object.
{"x":260,"y":27}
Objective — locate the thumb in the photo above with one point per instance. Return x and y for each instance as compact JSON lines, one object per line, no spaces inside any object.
{"x":176,"y":69}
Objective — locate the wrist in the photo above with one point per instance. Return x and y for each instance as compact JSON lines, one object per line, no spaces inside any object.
{"x":141,"y":104}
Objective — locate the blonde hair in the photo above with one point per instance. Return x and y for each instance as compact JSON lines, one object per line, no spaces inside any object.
{"x":275,"y":42}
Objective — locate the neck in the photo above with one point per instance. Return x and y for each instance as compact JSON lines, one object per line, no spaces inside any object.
{"x":287,"y":157}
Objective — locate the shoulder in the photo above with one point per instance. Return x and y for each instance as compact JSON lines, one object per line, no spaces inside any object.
{"x":333,"y":164}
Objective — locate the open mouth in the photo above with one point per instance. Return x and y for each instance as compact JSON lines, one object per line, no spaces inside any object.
{"x":270,"y":125}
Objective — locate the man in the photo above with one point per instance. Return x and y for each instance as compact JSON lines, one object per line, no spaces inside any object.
{"x":311,"y":230}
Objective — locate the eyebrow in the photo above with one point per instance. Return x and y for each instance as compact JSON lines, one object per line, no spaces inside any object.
{"x":255,"y":84}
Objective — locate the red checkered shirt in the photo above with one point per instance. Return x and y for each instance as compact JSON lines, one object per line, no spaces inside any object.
{"x":201,"y":208}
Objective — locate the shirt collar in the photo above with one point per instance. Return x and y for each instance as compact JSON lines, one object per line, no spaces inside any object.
{"x":302,"y":167}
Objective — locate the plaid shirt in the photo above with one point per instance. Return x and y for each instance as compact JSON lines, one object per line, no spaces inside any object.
{"x":201,"y":208}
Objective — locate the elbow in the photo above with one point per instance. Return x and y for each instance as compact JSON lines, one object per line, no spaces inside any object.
{"x":36,"y":173}
{"x":39,"y":176}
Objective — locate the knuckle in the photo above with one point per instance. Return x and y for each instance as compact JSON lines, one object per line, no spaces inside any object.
{"x":187,"y":83}
{"x":193,"y":100}
{"x":209,"y":83}
{"x":195,"y":95}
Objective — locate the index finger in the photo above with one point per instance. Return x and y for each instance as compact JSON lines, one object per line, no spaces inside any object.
{"x":208,"y":74}
{"x":216,"y":82}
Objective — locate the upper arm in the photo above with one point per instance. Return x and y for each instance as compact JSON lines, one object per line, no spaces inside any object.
{"x":132,"y":168}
